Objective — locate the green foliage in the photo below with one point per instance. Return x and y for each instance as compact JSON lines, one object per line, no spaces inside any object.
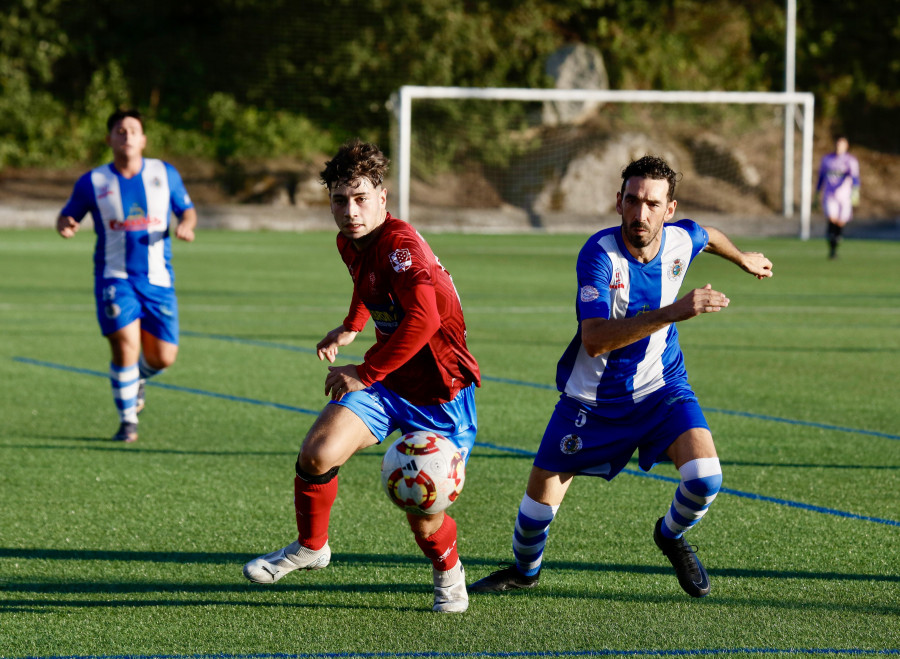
{"x":245,"y":133}
{"x":298,"y":71}
{"x":31,"y":120}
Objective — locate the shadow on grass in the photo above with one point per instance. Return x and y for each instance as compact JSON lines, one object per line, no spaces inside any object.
{"x":243,"y":594}
{"x":138,"y":447}
{"x":141,"y":446}
{"x":406,"y":560}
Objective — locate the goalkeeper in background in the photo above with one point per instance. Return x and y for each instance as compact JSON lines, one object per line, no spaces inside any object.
{"x":839,"y":186}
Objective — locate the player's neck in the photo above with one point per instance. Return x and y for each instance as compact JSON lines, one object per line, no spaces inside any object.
{"x":643,"y":253}
{"x":129,"y":167}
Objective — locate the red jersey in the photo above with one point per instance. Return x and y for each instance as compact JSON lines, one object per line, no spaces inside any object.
{"x":420,"y":350}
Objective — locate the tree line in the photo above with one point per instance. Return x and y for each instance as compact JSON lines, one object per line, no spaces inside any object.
{"x":244,"y":79}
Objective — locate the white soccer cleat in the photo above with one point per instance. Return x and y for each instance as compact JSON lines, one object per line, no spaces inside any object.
{"x":450,"y":594}
{"x":271,"y":567}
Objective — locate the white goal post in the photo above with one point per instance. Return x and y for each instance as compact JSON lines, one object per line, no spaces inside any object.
{"x":402,"y":101}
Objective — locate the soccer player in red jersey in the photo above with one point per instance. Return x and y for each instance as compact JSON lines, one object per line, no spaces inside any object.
{"x":419,"y":374}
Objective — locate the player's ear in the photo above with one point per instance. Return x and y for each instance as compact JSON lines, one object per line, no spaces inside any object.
{"x":670,"y":210}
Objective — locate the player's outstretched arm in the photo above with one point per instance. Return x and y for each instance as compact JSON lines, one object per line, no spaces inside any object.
{"x":66,"y":226}
{"x":753,"y":262}
{"x":328,"y":347}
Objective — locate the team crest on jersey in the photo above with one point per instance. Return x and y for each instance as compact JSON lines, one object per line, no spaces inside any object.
{"x":401,"y":260}
{"x":676,"y":269}
{"x":570,"y":444}
{"x":589,"y":293}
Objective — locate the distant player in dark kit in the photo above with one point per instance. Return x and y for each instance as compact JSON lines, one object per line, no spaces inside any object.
{"x":131,"y":200}
{"x":419,"y":375}
{"x":622,"y":379}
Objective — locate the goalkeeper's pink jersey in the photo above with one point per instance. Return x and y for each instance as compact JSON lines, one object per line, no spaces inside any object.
{"x":420,"y":351}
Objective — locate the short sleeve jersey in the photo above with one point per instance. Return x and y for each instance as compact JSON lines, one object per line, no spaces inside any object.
{"x":131,"y":219}
{"x":612,"y":284}
{"x":838,"y":173}
{"x":420,"y":351}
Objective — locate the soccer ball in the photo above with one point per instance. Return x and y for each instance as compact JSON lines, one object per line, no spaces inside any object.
{"x":423,"y":472}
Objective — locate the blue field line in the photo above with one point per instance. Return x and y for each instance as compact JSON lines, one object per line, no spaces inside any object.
{"x":538,"y":385}
{"x":808,"y":424}
{"x":724,"y":490}
{"x":538,"y":654}
{"x":171,"y":387}
{"x":301,"y":410}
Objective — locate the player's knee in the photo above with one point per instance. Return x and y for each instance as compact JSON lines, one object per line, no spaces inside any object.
{"x":702,"y":477}
{"x":706,"y":486}
{"x":312,"y":475}
{"x":160,"y":363}
{"x":425,"y":526}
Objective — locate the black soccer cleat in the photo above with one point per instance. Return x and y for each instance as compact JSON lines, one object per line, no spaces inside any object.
{"x":127,"y":432}
{"x":690,"y":571}
{"x":507,"y":578}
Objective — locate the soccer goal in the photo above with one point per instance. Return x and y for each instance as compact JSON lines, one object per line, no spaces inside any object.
{"x":502,"y":159}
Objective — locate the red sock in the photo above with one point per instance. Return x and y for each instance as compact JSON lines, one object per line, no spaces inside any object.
{"x":312,"y":504}
{"x":440,"y":548}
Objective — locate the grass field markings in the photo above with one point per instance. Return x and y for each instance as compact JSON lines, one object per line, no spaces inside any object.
{"x":291,"y":408}
{"x":256,"y":342}
{"x":725,"y":490}
{"x":782,"y":502}
{"x":171,"y":387}
{"x":538,"y":385}
{"x":808,"y":424}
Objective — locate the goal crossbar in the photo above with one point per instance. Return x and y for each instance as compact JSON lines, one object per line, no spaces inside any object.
{"x":402,"y":100}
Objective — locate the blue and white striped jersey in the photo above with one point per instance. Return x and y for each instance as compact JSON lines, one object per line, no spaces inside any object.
{"x":612,"y":284}
{"x":131,"y":219}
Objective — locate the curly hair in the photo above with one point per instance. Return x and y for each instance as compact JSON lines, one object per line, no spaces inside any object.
{"x":355,"y":160}
{"x":651,"y":167}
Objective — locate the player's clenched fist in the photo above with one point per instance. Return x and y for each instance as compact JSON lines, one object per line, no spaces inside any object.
{"x":66,"y":226}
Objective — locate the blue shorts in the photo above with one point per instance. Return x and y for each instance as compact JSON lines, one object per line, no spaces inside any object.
{"x":120,"y":302}
{"x":579,"y":440}
{"x":383,"y":412}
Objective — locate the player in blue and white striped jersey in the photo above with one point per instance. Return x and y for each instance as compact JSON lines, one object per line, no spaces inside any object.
{"x":622,"y":379}
{"x":131,"y":200}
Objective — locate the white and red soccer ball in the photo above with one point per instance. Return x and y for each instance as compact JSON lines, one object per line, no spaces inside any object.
{"x":423,"y":472}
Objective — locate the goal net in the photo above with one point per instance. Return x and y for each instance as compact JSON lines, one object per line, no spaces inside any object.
{"x":501,"y":159}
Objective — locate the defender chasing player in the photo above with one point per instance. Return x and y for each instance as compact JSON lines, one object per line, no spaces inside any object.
{"x":622,"y":379}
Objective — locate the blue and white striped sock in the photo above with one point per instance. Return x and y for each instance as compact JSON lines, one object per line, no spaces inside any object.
{"x":701,"y":480}
{"x":530,"y":535}
{"x":125,"y":381}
